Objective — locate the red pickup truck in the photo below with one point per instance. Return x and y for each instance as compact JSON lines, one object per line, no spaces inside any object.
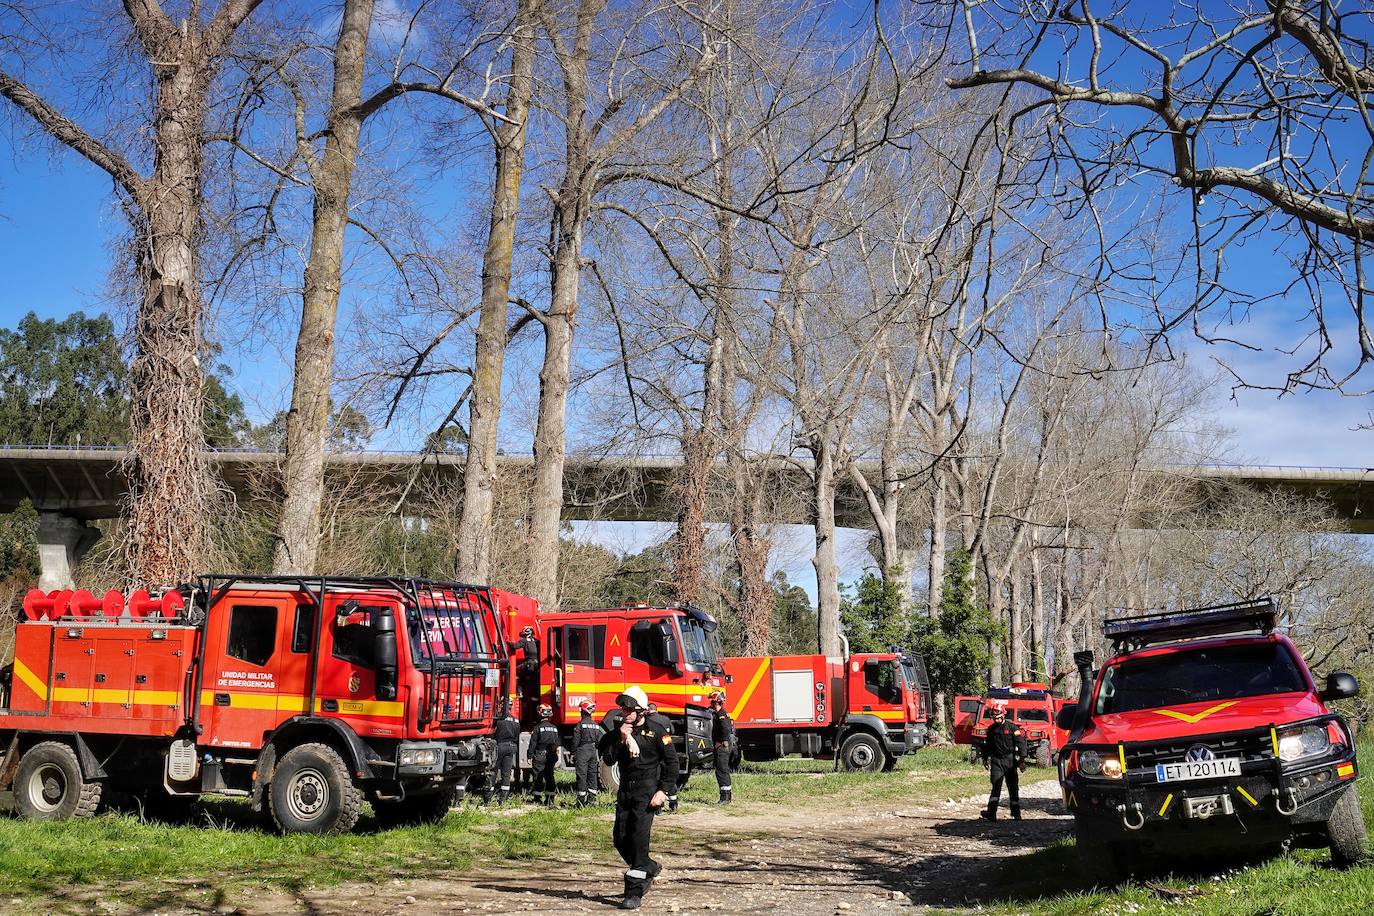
{"x":1204,"y":732}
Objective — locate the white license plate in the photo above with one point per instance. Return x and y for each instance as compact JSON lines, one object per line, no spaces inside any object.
{"x":1197,"y":769}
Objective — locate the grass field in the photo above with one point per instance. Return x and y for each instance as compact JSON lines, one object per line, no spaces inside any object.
{"x":45,"y":859}
{"x":1048,"y":882}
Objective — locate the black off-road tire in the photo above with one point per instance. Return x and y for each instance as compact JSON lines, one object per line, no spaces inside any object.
{"x":861,"y":753}
{"x":973,"y":756}
{"x":417,"y":809}
{"x":1044,"y":757}
{"x":1099,"y":861}
{"x":610,"y":776}
{"x":48,"y":785}
{"x":312,"y":792}
{"x":1345,"y":831}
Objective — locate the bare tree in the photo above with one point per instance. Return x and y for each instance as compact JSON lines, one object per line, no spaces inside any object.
{"x":1239,"y":106}
{"x":170,"y":485}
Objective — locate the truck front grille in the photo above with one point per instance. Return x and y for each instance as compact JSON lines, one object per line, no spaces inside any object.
{"x":1247,"y":745}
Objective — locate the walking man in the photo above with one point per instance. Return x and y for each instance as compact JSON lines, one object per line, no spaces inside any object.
{"x":545,"y":746}
{"x":507,"y":750}
{"x":722,"y":744}
{"x":586,"y":736}
{"x":1004,"y":754}
{"x":648,"y":772}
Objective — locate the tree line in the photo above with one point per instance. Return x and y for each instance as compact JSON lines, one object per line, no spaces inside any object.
{"x":746,"y":233}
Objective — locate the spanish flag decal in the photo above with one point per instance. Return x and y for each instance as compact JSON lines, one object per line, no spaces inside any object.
{"x":1345,"y":770}
{"x":1196,"y":718}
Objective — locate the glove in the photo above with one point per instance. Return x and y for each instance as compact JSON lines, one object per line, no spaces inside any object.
{"x":1021,"y":766}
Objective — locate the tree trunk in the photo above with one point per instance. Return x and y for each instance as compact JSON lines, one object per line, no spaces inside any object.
{"x":307,"y":423}
{"x":480,"y":473}
{"x":939,"y":521}
{"x":170,"y":487}
{"x":827,"y":569}
{"x":1016,"y":645}
{"x":698,"y":453}
{"x":550,"y":443}
{"x":755,"y":608}
{"x":1037,"y":603}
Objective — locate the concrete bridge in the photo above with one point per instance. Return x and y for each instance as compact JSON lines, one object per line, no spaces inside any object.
{"x":73,"y":486}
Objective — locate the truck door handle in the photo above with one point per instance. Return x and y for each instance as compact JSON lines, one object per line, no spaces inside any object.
{"x":100,"y":678}
{"x":329,"y":705}
{"x":221,"y":699}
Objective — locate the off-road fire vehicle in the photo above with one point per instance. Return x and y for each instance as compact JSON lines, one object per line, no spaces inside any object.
{"x":1030,"y":705}
{"x":1205,"y":733}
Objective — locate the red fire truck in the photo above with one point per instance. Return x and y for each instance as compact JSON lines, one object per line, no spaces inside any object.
{"x":965,"y":714}
{"x":672,"y":652}
{"x":1028,"y":704}
{"x":305,"y":695}
{"x":868,"y":709}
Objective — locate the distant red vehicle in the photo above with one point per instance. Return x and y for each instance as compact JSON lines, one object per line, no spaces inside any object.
{"x":1028,"y":704}
{"x":965,"y":714}
{"x":867,"y":709}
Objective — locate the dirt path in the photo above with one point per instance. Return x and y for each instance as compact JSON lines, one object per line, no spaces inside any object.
{"x":825,"y":860}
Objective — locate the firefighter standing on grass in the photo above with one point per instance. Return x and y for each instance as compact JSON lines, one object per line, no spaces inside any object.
{"x":1004,"y":754}
{"x":545,"y":746}
{"x":507,"y":750}
{"x":722,"y":744}
{"x":648,"y":772}
{"x":586,"y":736}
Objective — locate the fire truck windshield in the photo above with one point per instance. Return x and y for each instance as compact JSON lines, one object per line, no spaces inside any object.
{"x":701,"y":648}
{"x":445,"y":634}
{"x":1196,"y":675}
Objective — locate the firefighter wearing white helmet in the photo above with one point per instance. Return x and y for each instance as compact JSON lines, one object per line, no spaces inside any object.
{"x":648,"y":775}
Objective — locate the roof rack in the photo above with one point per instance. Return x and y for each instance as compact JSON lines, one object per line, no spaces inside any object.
{"x":1240,"y":617}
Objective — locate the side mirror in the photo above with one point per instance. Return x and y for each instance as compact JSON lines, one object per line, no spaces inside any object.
{"x":1064,"y":717}
{"x":667,"y":646}
{"x":384,"y":654}
{"x":1340,"y":685}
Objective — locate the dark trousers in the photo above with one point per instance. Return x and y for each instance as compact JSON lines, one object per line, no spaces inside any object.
{"x":1004,"y":768}
{"x":543,"y":764}
{"x":505,"y":765}
{"x":634,"y":821}
{"x":721,"y":758}
{"x":585,"y":758}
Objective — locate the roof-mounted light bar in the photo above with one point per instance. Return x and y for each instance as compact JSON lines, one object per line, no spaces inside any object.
{"x":1241,"y":617}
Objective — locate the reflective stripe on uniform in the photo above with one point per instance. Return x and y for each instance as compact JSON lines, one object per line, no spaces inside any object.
{"x":725,"y":788}
{"x":636,"y":873}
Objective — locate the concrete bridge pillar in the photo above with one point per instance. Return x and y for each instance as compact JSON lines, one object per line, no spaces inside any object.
{"x":62,"y":542}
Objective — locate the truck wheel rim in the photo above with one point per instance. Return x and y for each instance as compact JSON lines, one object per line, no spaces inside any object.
{"x":47,"y":787}
{"x":308,"y":794}
{"x":861,"y":756}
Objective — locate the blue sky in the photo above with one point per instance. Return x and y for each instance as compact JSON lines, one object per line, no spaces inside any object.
{"x":57,"y":220}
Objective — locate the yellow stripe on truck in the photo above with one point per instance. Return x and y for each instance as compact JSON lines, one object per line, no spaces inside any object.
{"x":287,"y":702}
{"x":753,"y":684}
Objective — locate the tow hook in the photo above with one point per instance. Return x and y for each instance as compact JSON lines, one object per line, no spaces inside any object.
{"x":1126,"y":811}
{"x":1290,"y":795}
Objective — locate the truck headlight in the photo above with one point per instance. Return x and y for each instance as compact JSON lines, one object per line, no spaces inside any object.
{"x":1090,"y":762}
{"x":419,"y":757}
{"x":1308,"y":741}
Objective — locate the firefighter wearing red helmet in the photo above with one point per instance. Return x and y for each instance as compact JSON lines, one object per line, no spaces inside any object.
{"x":586,"y":736}
{"x":1004,"y":754}
{"x":545,"y":746}
{"x":722,"y":745}
{"x":648,"y":774}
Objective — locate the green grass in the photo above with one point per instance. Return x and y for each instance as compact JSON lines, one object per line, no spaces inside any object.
{"x":1047,"y":881}
{"x":234,"y":848}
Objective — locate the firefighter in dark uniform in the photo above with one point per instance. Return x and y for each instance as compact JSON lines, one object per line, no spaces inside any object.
{"x":648,"y":772}
{"x":722,"y":744}
{"x":527,"y":671}
{"x":667,"y":725}
{"x":507,"y":750}
{"x":545,"y":746}
{"x":1004,"y":754}
{"x":586,"y":736}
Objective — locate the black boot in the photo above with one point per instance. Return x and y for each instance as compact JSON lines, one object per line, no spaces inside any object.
{"x":501,"y":799}
{"x":725,"y":796}
{"x":672,"y":804}
{"x":548,"y":799}
{"x":989,"y":814}
{"x":1016,"y":812}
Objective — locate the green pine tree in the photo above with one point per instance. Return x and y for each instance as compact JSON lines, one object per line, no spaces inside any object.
{"x":956,"y":645}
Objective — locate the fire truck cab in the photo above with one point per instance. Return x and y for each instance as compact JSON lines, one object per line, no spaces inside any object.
{"x":867,"y":710}
{"x":305,"y":695}
{"x":1205,"y":732}
{"x":593,"y":655}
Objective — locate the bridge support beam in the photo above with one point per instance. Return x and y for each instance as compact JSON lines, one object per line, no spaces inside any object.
{"x":62,"y":542}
